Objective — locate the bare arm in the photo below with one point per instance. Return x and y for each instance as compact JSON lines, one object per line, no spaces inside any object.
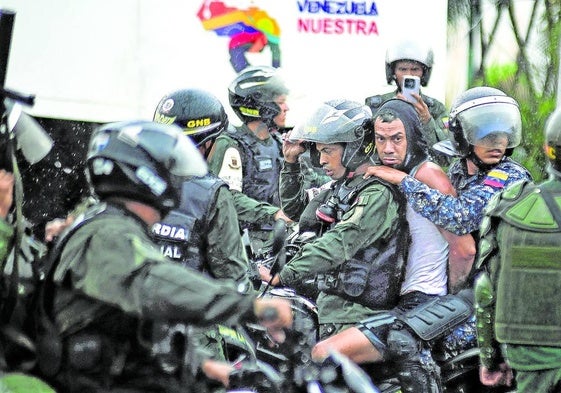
{"x":461,"y":247}
{"x":460,"y":259}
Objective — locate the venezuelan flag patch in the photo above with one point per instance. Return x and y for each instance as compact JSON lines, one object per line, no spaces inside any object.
{"x":496,"y":178}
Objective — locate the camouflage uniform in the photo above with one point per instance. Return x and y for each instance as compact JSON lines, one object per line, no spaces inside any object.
{"x":203,"y":233}
{"x":462,"y":214}
{"x":6,"y":233}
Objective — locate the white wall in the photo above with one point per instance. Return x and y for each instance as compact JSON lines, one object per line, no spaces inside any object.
{"x":104,"y":60}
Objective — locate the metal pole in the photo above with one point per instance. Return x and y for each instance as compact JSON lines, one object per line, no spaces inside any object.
{"x":6,"y":25}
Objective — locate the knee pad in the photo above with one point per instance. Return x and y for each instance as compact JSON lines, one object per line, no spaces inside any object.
{"x":376,"y":329}
{"x":417,"y":370}
{"x":401,"y":344}
{"x":415,"y":376}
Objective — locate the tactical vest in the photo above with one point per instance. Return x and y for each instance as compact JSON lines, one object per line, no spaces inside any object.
{"x":96,"y":342}
{"x":51,"y":350}
{"x":527,"y":219}
{"x":373,"y":276}
{"x":181,"y":234}
{"x":262,"y":166}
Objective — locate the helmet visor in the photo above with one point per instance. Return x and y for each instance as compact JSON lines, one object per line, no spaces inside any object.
{"x":492,"y":125}
{"x":331,"y":124}
{"x":174,"y":150}
{"x":188,"y":160}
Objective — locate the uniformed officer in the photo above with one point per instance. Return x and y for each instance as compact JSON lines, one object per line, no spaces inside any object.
{"x":400,"y":144}
{"x":410,"y":57}
{"x":485,"y":127}
{"x":519,"y":293}
{"x":357,"y":221}
{"x":203,"y":232}
{"x":109,"y":283}
{"x":249,"y":157}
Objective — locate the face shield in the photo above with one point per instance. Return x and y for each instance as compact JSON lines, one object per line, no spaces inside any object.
{"x":491,"y":122}
{"x":176,"y":151}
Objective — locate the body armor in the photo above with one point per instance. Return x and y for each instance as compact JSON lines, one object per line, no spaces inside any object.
{"x":527,"y":221}
{"x":181,"y":233}
{"x":352,"y":280}
{"x":262,"y":166}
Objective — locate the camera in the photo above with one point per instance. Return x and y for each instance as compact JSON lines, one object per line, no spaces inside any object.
{"x":411,"y":84}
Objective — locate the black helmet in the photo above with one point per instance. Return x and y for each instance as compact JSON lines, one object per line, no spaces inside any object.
{"x":480,"y":114}
{"x":339,"y":121}
{"x":417,"y":148}
{"x":143,"y":161}
{"x":252,"y":94}
{"x":409,"y":50}
{"x":553,"y":143}
{"x":200,"y":114}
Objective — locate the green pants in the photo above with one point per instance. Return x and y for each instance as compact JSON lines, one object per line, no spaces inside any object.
{"x":542,"y":381}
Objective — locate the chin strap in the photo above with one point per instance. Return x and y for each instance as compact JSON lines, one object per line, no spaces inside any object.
{"x":480,"y":164}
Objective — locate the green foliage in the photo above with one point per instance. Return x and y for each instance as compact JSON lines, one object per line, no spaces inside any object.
{"x":531,"y":78}
{"x":534,"y":108}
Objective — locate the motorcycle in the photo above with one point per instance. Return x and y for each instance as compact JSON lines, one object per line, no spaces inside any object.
{"x":337,"y":374}
{"x":288,"y":367}
{"x":455,"y":355}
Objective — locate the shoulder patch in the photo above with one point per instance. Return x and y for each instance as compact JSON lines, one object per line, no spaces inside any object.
{"x":496,"y":178}
{"x":232,"y":158}
{"x":231,"y":170}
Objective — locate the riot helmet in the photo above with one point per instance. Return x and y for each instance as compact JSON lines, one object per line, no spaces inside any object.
{"x":417,"y":148}
{"x":142,"y":161}
{"x":484,"y":116}
{"x":253,"y":92}
{"x":342,"y":121}
{"x":198,"y":113}
{"x":552,"y":143}
{"x":413,"y":51}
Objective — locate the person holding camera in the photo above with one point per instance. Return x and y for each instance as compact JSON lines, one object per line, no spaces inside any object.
{"x":409,"y":65}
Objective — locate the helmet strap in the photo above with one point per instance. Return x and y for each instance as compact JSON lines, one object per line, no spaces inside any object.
{"x":206,"y":147}
{"x":477,"y":161}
